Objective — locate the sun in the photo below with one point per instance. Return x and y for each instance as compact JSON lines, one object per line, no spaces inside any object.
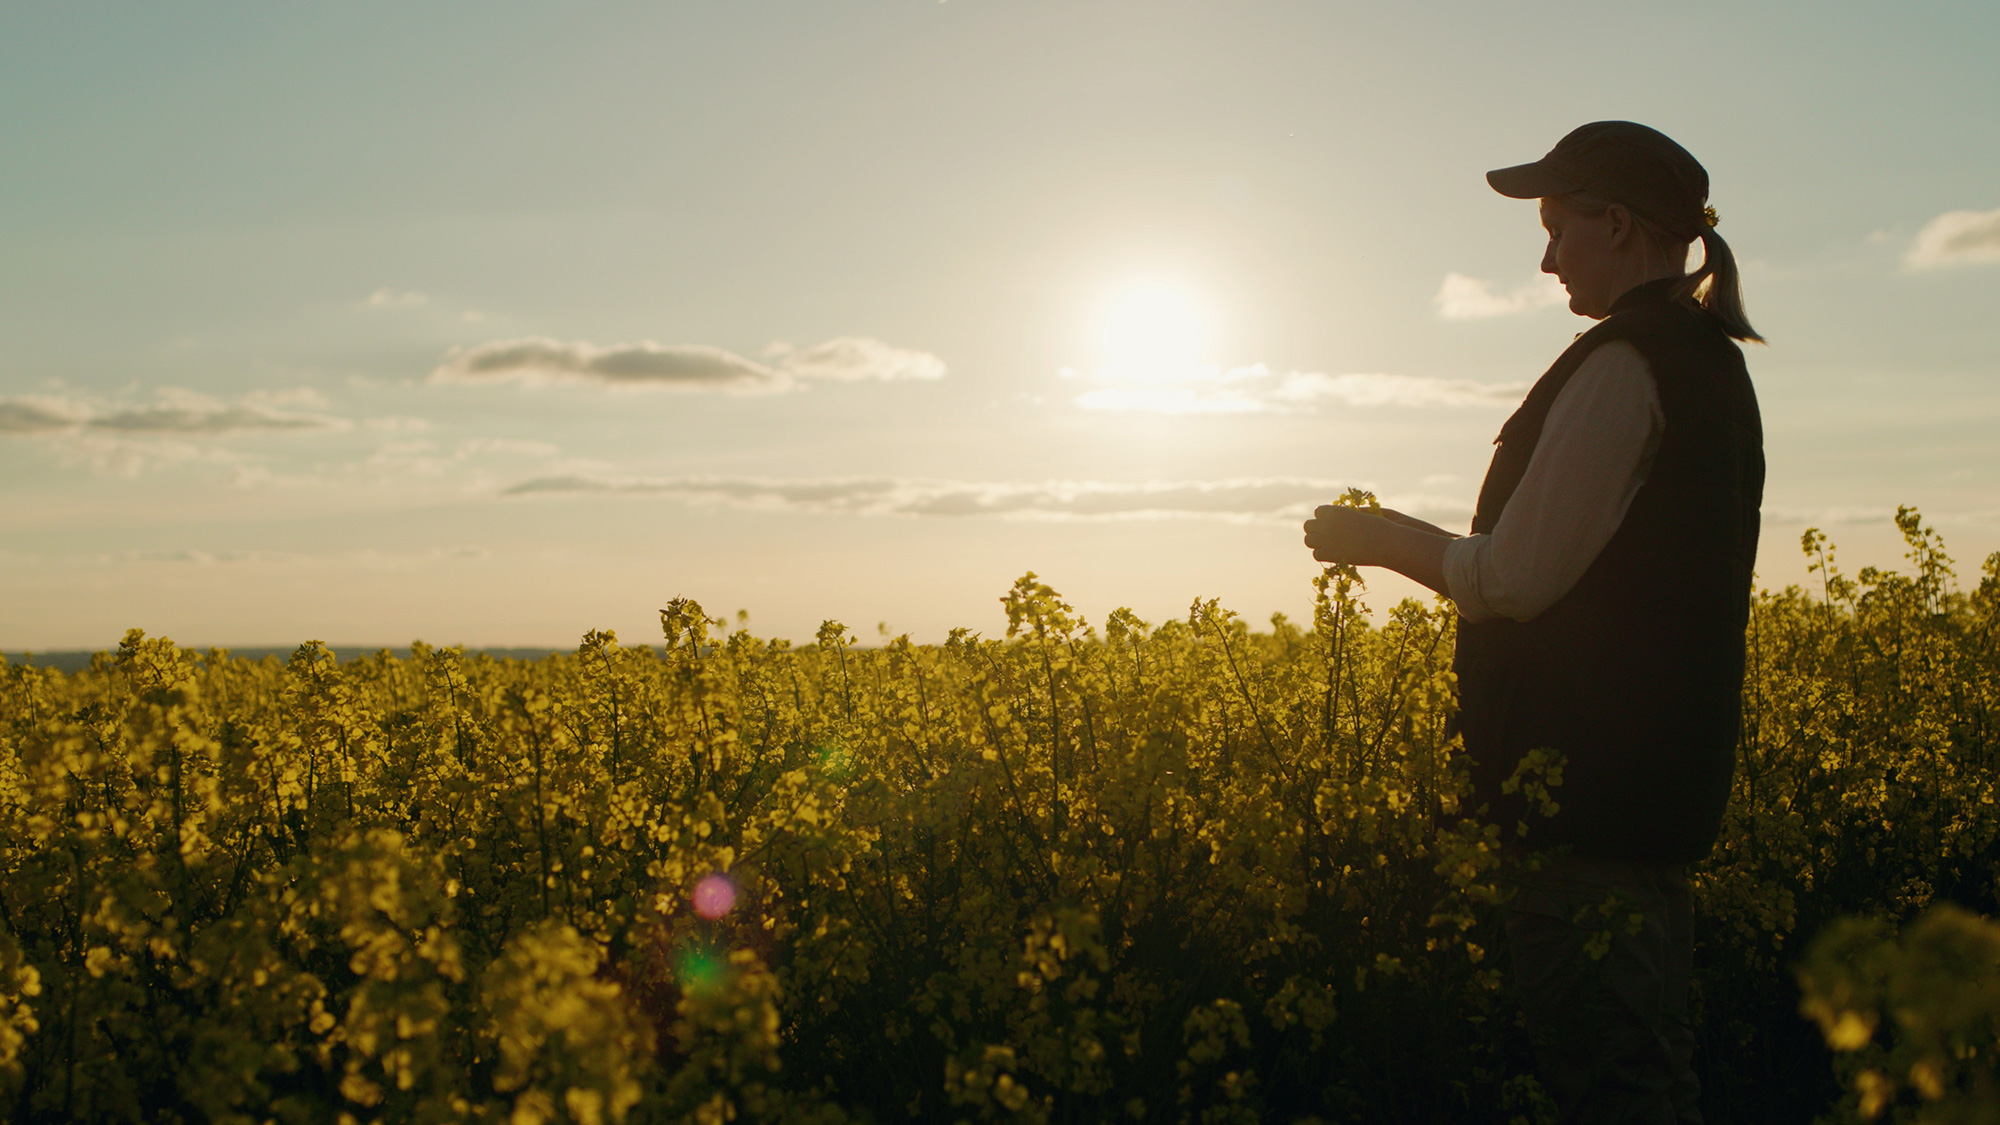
{"x":1153,"y":331}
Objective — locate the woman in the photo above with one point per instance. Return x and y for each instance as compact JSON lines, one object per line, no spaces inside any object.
{"x":1603,"y":595}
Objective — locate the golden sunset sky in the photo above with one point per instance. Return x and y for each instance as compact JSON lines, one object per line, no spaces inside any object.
{"x":490,"y":323}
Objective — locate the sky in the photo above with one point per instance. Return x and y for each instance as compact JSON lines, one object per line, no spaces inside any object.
{"x":492,"y":323}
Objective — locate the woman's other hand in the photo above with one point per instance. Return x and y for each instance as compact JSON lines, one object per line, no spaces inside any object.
{"x":1394,"y":516}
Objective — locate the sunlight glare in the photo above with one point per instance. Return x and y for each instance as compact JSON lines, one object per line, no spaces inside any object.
{"x":1153,"y":331}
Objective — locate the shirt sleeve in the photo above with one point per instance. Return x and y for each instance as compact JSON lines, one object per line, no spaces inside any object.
{"x":1596,"y":448}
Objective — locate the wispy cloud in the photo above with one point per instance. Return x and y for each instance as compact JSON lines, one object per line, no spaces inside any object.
{"x":1825,"y":515}
{"x":537,"y":359}
{"x":179,"y":427}
{"x":201,"y":558}
{"x":128,"y":455}
{"x":1395,"y":390}
{"x":177,"y":412}
{"x":1247,"y":499}
{"x":1258,"y":389}
{"x":40,"y":414}
{"x":364,"y":559}
{"x":855,"y":358}
{"x":218,"y":419}
{"x":1956,"y":238}
{"x":1471,"y":298}
{"x":396,"y":299}
{"x":426,"y":458}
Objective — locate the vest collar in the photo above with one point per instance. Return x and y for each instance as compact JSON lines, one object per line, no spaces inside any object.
{"x":1656,"y":292}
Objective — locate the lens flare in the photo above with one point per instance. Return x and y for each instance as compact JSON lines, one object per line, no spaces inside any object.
{"x":714,"y":896}
{"x":698,"y":968}
{"x":832,"y":757}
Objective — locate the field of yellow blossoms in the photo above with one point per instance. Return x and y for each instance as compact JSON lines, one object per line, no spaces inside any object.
{"x":1087,"y":872}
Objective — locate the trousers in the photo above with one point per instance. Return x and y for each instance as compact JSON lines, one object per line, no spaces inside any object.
{"x":1601,"y":952}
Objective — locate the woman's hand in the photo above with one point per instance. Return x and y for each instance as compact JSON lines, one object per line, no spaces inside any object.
{"x":1346,"y":535}
{"x":1402,"y":543}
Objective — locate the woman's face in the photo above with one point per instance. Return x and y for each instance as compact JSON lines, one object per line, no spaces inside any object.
{"x":1582,"y":255}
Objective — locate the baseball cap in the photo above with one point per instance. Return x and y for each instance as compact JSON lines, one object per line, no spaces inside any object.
{"x":1623,"y":162}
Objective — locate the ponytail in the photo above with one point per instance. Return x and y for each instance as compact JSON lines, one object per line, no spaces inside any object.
{"x":1717,"y":288}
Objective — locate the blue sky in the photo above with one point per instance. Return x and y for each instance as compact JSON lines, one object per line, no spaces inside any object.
{"x":491,"y":323}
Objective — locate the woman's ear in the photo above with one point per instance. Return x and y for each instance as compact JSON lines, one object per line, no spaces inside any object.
{"x":1619,"y":226}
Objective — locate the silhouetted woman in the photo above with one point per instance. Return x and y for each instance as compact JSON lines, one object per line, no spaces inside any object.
{"x":1603,"y":595}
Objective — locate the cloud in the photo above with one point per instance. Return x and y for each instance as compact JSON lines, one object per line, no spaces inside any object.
{"x":687,"y":366}
{"x":1471,"y":298}
{"x":425,"y":458}
{"x":1179,"y":398}
{"x":362,"y":558}
{"x":1258,"y":389}
{"x":1396,"y":390}
{"x":219,"y":419}
{"x":40,"y":414}
{"x":199,"y":557}
{"x":1956,"y":238}
{"x":396,"y":299}
{"x":282,"y":396}
{"x":853,"y":358}
{"x":177,"y":413}
{"x":1241,"y":500}
{"x":1831,"y":515}
{"x":1826,"y":515}
{"x":129,"y":455}
{"x":539,"y":358}
{"x":178,"y":428}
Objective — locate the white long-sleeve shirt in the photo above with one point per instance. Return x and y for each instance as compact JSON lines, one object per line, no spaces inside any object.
{"x":1596,"y":449}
